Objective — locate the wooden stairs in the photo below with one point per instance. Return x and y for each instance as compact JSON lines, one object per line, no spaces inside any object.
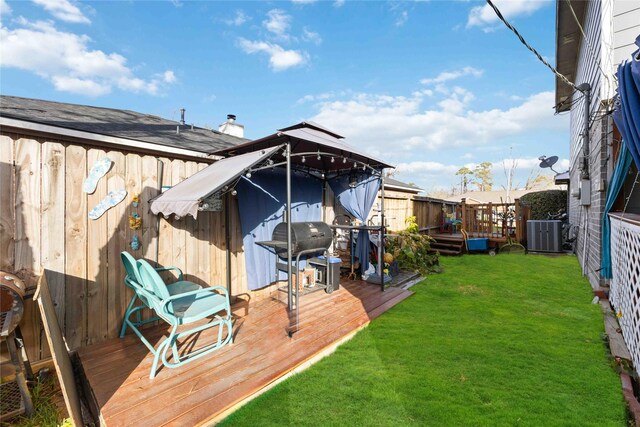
{"x":447,"y":244}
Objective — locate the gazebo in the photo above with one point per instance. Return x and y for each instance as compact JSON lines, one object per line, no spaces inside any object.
{"x":254,"y":172}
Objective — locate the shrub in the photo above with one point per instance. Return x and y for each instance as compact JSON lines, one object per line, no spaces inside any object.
{"x":544,"y":202}
{"x":411,"y":250}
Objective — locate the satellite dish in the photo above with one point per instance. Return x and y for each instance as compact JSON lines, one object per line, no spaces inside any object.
{"x":548,"y":162}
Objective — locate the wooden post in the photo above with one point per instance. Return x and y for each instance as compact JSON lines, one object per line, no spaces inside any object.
{"x":428,"y":225}
{"x":518,"y":213}
{"x":464,"y":214}
{"x":490,"y":218}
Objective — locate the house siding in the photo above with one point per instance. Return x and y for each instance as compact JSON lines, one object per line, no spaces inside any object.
{"x":626,"y":27}
{"x":588,"y":218}
{"x":611,"y":28}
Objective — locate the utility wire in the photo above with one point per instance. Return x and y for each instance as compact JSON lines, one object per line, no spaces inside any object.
{"x":535,"y":52}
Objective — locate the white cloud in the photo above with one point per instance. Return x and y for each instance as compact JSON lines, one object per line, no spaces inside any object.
{"x":5,"y":9}
{"x":239,"y":19}
{"x":278,"y":23}
{"x":279,"y":58}
{"x":402,"y":18}
{"x":303,"y":2}
{"x":319,"y":97}
{"x":486,"y":18}
{"x":69,"y":63}
{"x":169,"y":76}
{"x":311,"y":36}
{"x":339,"y":3}
{"x":375,"y":121}
{"x":78,"y":85}
{"x":446,"y":76}
{"x":64,"y":10}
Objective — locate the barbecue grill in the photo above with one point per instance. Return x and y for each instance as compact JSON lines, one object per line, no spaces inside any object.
{"x":304,"y":236}
{"x":12,"y":291}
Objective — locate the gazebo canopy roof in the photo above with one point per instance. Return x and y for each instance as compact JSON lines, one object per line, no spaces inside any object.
{"x":312,"y":146}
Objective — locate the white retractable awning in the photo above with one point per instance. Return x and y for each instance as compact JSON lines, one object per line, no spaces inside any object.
{"x":184,"y":198}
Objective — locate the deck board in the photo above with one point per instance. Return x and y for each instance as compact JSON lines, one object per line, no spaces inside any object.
{"x":117,"y":370}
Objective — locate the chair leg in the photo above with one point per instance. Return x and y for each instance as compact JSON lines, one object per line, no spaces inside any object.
{"x":127,"y":313}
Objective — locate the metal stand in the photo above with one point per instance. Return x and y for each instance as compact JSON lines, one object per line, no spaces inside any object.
{"x":22,"y":367}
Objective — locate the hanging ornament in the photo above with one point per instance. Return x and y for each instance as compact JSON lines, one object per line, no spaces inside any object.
{"x":135,"y":200}
{"x":135,"y":221}
{"x":135,"y":242}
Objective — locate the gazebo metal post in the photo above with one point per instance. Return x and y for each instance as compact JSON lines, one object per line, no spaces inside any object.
{"x":381,"y":240}
{"x":288,"y":213}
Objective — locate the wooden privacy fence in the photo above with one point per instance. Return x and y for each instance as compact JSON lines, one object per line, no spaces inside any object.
{"x":495,"y":220}
{"x":44,"y":224}
{"x":399,"y":206}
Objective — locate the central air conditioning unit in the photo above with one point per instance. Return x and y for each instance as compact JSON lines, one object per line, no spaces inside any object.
{"x":544,"y":236}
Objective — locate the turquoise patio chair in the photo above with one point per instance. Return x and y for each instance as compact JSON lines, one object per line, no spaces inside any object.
{"x":184,"y":309}
{"x":132,"y":278}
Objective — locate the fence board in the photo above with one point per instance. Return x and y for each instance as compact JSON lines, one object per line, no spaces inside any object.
{"x":191,"y":242}
{"x":179,"y":235}
{"x":165,"y":238}
{"x":117,"y":225}
{"x":75,"y":247}
{"x":53,"y":223}
{"x":149,"y":187}
{"x":97,"y":285}
{"x":7,"y":204}
{"x":27,"y":262}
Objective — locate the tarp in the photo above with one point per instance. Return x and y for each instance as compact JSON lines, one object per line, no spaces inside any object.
{"x":357,"y":194}
{"x":184,"y":198}
{"x":627,"y":111}
{"x":619,"y":175}
{"x":261,"y":201}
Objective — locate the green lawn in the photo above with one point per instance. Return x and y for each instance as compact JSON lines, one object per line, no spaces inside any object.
{"x":505,"y":340}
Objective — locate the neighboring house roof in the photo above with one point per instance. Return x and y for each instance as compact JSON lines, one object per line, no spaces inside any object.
{"x":501,"y":196}
{"x":125,"y":124}
{"x":568,"y":40}
{"x":394,"y":184}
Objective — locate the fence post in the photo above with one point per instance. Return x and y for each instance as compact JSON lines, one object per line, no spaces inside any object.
{"x":490,"y":219}
{"x":518,"y":213}
{"x":464,"y":214}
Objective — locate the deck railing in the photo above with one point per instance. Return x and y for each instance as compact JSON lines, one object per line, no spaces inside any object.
{"x":495,"y":220}
{"x":625,"y":284}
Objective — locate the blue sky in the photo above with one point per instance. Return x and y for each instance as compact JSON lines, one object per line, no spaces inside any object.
{"x":429,"y":86}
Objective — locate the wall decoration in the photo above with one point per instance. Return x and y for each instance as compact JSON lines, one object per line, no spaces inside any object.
{"x":99,"y":169}
{"x":112,"y":199}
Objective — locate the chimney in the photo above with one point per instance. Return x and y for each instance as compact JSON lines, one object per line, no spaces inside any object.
{"x":230,"y":127}
{"x":182,"y":110}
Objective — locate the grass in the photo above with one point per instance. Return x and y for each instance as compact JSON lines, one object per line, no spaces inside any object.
{"x":501,"y":341}
{"x":46,"y":413}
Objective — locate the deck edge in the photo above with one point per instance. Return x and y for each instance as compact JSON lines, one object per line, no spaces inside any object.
{"x":300,"y":367}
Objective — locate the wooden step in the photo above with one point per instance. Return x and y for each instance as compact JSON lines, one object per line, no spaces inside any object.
{"x":446,"y":251}
{"x":451,"y":246}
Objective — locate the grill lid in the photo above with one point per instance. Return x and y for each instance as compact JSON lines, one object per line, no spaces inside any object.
{"x":12,"y":292}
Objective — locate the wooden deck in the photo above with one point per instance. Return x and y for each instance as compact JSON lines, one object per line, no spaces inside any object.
{"x":116,"y":371}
